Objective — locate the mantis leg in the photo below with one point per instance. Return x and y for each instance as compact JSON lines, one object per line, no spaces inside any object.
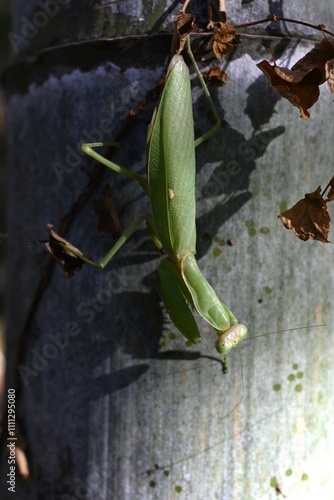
{"x":175,"y":294}
{"x":217,"y":125}
{"x":204,"y":298}
{"x":114,"y":249}
{"x":208,"y":305}
{"x":89,"y":150}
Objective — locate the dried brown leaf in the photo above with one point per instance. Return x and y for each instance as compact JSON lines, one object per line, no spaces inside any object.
{"x":309,"y":218}
{"x":300,"y":84}
{"x":316,"y":59}
{"x":184,"y":24}
{"x":288,"y":75}
{"x":69,"y":262}
{"x":329,"y":69}
{"x":108,"y":221}
{"x":223,"y":40}
{"x":300,"y":92}
{"x":216,"y":76}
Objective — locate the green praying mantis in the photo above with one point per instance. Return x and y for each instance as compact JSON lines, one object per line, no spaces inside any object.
{"x":170,"y":186}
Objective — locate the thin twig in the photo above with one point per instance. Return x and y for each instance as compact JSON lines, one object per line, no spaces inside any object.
{"x":275,"y":19}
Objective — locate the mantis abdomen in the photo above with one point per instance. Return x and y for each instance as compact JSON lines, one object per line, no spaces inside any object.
{"x":172,"y":165}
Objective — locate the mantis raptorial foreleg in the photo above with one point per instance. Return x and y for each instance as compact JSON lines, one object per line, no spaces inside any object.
{"x":170,"y":186}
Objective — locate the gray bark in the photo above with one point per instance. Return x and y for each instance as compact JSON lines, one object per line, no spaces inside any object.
{"x":115,"y":405}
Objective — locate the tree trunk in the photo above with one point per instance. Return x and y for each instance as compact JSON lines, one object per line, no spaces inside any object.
{"x":111,"y":401}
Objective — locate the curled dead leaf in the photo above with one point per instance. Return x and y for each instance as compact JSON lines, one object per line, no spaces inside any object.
{"x":223,"y":40}
{"x":300,"y":84}
{"x":316,"y":58}
{"x":293,"y":87}
{"x":58,"y":246}
{"x":329,"y":69}
{"x":309,"y":218}
{"x":216,"y":76}
{"x":184,"y":24}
